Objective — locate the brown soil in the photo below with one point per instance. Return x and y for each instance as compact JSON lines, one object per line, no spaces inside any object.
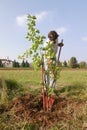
{"x":30,"y":107}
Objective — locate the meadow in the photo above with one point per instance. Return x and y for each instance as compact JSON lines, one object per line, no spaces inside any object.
{"x":69,"y":80}
{"x":33,"y":77}
{"x":72,"y":85}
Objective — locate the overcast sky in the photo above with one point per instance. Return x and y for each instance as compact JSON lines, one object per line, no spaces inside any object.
{"x":67,"y":17}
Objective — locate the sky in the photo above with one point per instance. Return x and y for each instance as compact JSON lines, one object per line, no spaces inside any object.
{"x":67,"y":17}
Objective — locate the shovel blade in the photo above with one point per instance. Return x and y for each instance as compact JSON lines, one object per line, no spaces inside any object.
{"x":48,"y":102}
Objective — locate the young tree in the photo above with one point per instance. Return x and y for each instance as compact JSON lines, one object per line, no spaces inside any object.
{"x":37,"y":49}
{"x":36,"y":39}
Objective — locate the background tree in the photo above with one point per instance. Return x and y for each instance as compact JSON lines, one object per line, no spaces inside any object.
{"x":82,"y":64}
{"x":1,"y":65}
{"x":23,"y":64}
{"x":27,"y":64}
{"x":16,"y":64}
{"x":65,"y":64}
{"x":73,"y":62}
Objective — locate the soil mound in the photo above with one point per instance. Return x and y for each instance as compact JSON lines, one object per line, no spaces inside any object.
{"x":30,"y":107}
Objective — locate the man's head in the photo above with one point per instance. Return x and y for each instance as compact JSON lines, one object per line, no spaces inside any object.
{"x":52,"y":35}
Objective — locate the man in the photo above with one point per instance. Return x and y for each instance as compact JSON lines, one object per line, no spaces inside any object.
{"x":50,"y":61}
{"x":50,"y":68}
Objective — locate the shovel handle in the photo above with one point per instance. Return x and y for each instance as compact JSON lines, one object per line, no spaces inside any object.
{"x":59,"y":55}
{"x":60,"y":45}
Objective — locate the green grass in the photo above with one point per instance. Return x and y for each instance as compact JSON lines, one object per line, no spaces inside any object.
{"x":22,"y":76}
{"x":33,"y":77}
{"x":72,"y":82}
{"x":71,"y":76}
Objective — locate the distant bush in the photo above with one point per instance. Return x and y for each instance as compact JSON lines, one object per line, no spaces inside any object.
{"x":1,"y":65}
{"x":73,"y":62}
{"x":82,"y":64}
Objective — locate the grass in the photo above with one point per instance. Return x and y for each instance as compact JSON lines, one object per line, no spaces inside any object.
{"x":69,"y":77}
{"x":72,"y":82}
{"x":22,"y":76}
{"x":32,"y":77}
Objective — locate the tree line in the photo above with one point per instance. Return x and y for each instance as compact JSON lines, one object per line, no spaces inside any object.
{"x":17,"y":64}
{"x":72,"y":63}
{"x":23,"y":64}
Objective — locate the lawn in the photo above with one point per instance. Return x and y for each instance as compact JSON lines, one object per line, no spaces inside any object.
{"x":72,"y":78}
{"x":33,"y":77}
{"x":72,"y":82}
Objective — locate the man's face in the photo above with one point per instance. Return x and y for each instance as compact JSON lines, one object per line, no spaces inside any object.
{"x":52,"y":38}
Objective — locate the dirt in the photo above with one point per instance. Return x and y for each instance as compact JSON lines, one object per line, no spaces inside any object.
{"x":30,"y":107}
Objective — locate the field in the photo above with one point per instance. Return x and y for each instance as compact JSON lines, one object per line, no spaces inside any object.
{"x":69,"y":111}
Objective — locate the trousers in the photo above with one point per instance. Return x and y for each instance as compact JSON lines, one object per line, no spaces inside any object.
{"x":49,"y":77}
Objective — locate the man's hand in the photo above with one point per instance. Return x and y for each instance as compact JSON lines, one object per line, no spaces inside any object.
{"x":61,"y":43}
